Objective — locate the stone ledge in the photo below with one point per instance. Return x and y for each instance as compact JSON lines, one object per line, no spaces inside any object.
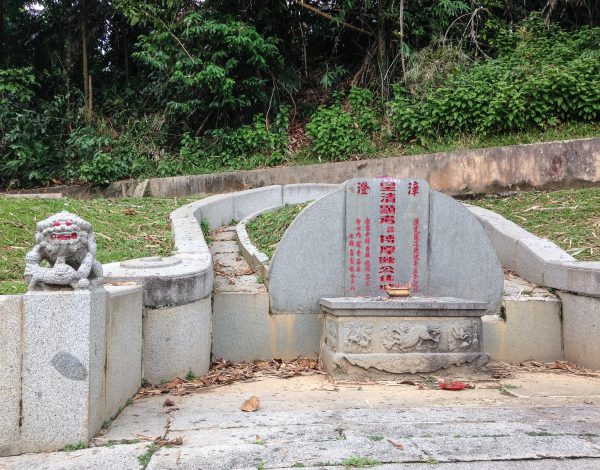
{"x":536,"y":259}
{"x":404,"y":307}
{"x":257,"y":260}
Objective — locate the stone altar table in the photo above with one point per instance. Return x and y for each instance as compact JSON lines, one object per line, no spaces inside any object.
{"x":400,"y":335}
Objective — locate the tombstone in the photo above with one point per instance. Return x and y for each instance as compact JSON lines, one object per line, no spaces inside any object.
{"x":342,"y":251}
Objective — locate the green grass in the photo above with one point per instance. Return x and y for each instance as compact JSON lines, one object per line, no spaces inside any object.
{"x":574,"y":130}
{"x":266,"y":230}
{"x":125,"y":228}
{"x":144,"y":459}
{"x":360,"y":462}
{"x":72,"y":447}
{"x":570,"y":218}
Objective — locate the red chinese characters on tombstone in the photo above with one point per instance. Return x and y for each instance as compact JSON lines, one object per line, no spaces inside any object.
{"x":416,"y":255}
{"x":362,"y":188}
{"x":358,"y":244}
{"x":387,"y":240}
{"x":413,"y":188}
{"x":351,"y":260}
{"x":367,"y":250}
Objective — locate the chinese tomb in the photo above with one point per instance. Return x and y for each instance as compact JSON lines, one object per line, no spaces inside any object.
{"x":342,"y":251}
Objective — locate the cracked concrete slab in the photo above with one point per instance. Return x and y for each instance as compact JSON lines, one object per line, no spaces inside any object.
{"x":312,"y":422}
{"x":121,"y":457}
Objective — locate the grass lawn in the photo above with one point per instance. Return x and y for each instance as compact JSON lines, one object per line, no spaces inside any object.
{"x":124,"y":228}
{"x":569,"y":218}
{"x":266,"y":230}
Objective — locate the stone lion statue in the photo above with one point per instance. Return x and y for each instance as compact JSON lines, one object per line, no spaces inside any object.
{"x":68,"y":245}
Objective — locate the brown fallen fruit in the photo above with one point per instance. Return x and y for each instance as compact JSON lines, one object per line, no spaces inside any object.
{"x":251,"y":404}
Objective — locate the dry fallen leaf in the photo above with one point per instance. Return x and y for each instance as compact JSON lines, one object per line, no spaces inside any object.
{"x":251,"y":404}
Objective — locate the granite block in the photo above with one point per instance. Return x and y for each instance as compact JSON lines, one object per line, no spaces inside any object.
{"x":64,"y":353}
{"x":123,"y":346}
{"x":11,"y":315}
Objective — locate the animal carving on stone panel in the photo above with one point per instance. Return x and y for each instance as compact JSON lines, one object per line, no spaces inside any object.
{"x":358,"y":337}
{"x":417,"y":337}
{"x":66,"y":242}
{"x":463,"y":338}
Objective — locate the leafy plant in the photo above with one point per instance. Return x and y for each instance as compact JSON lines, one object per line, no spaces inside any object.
{"x":337,"y":133}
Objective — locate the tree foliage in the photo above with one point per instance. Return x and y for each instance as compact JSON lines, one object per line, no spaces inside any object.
{"x":96,"y":91}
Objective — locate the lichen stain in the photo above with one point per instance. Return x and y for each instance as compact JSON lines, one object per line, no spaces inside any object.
{"x":69,"y":366}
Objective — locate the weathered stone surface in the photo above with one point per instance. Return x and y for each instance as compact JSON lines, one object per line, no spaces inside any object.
{"x":63,"y":378}
{"x":256,"y":259}
{"x":386,"y":235}
{"x":66,"y":242}
{"x":581,"y":329}
{"x":121,"y":457}
{"x":189,"y":280}
{"x":530,"y":329}
{"x":252,"y":200}
{"x":373,"y":337}
{"x":310,"y":259}
{"x":123,"y":346}
{"x":239,"y":316}
{"x":299,"y":193}
{"x":11,"y":314}
{"x":176,"y":340}
{"x":463,"y":262}
{"x":408,"y":306}
{"x":565,"y":164}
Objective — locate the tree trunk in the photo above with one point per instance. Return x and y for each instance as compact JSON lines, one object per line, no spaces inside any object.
{"x":2,"y":56}
{"x":84,"y":59}
{"x":381,"y":49}
{"x":126,"y":57}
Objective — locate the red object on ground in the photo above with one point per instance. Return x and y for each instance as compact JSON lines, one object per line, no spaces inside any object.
{"x":452,"y":386}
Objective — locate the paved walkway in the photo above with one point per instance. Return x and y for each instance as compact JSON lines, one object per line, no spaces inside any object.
{"x":540,"y":421}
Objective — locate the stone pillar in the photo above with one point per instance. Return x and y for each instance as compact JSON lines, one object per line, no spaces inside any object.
{"x":64,"y":351}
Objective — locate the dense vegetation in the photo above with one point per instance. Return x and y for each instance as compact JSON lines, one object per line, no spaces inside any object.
{"x":94,"y":91}
{"x":124,"y":229}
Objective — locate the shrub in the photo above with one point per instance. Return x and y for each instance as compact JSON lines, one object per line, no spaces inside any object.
{"x":249,"y":146}
{"x":338,"y":133}
{"x":549,"y":77}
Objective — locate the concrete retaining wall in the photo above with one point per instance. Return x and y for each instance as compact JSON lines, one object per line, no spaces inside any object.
{"x":581,"y":329}
{"x":244,"y":330}
{"x":563,"y":164}
{"x":177,"y":341}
